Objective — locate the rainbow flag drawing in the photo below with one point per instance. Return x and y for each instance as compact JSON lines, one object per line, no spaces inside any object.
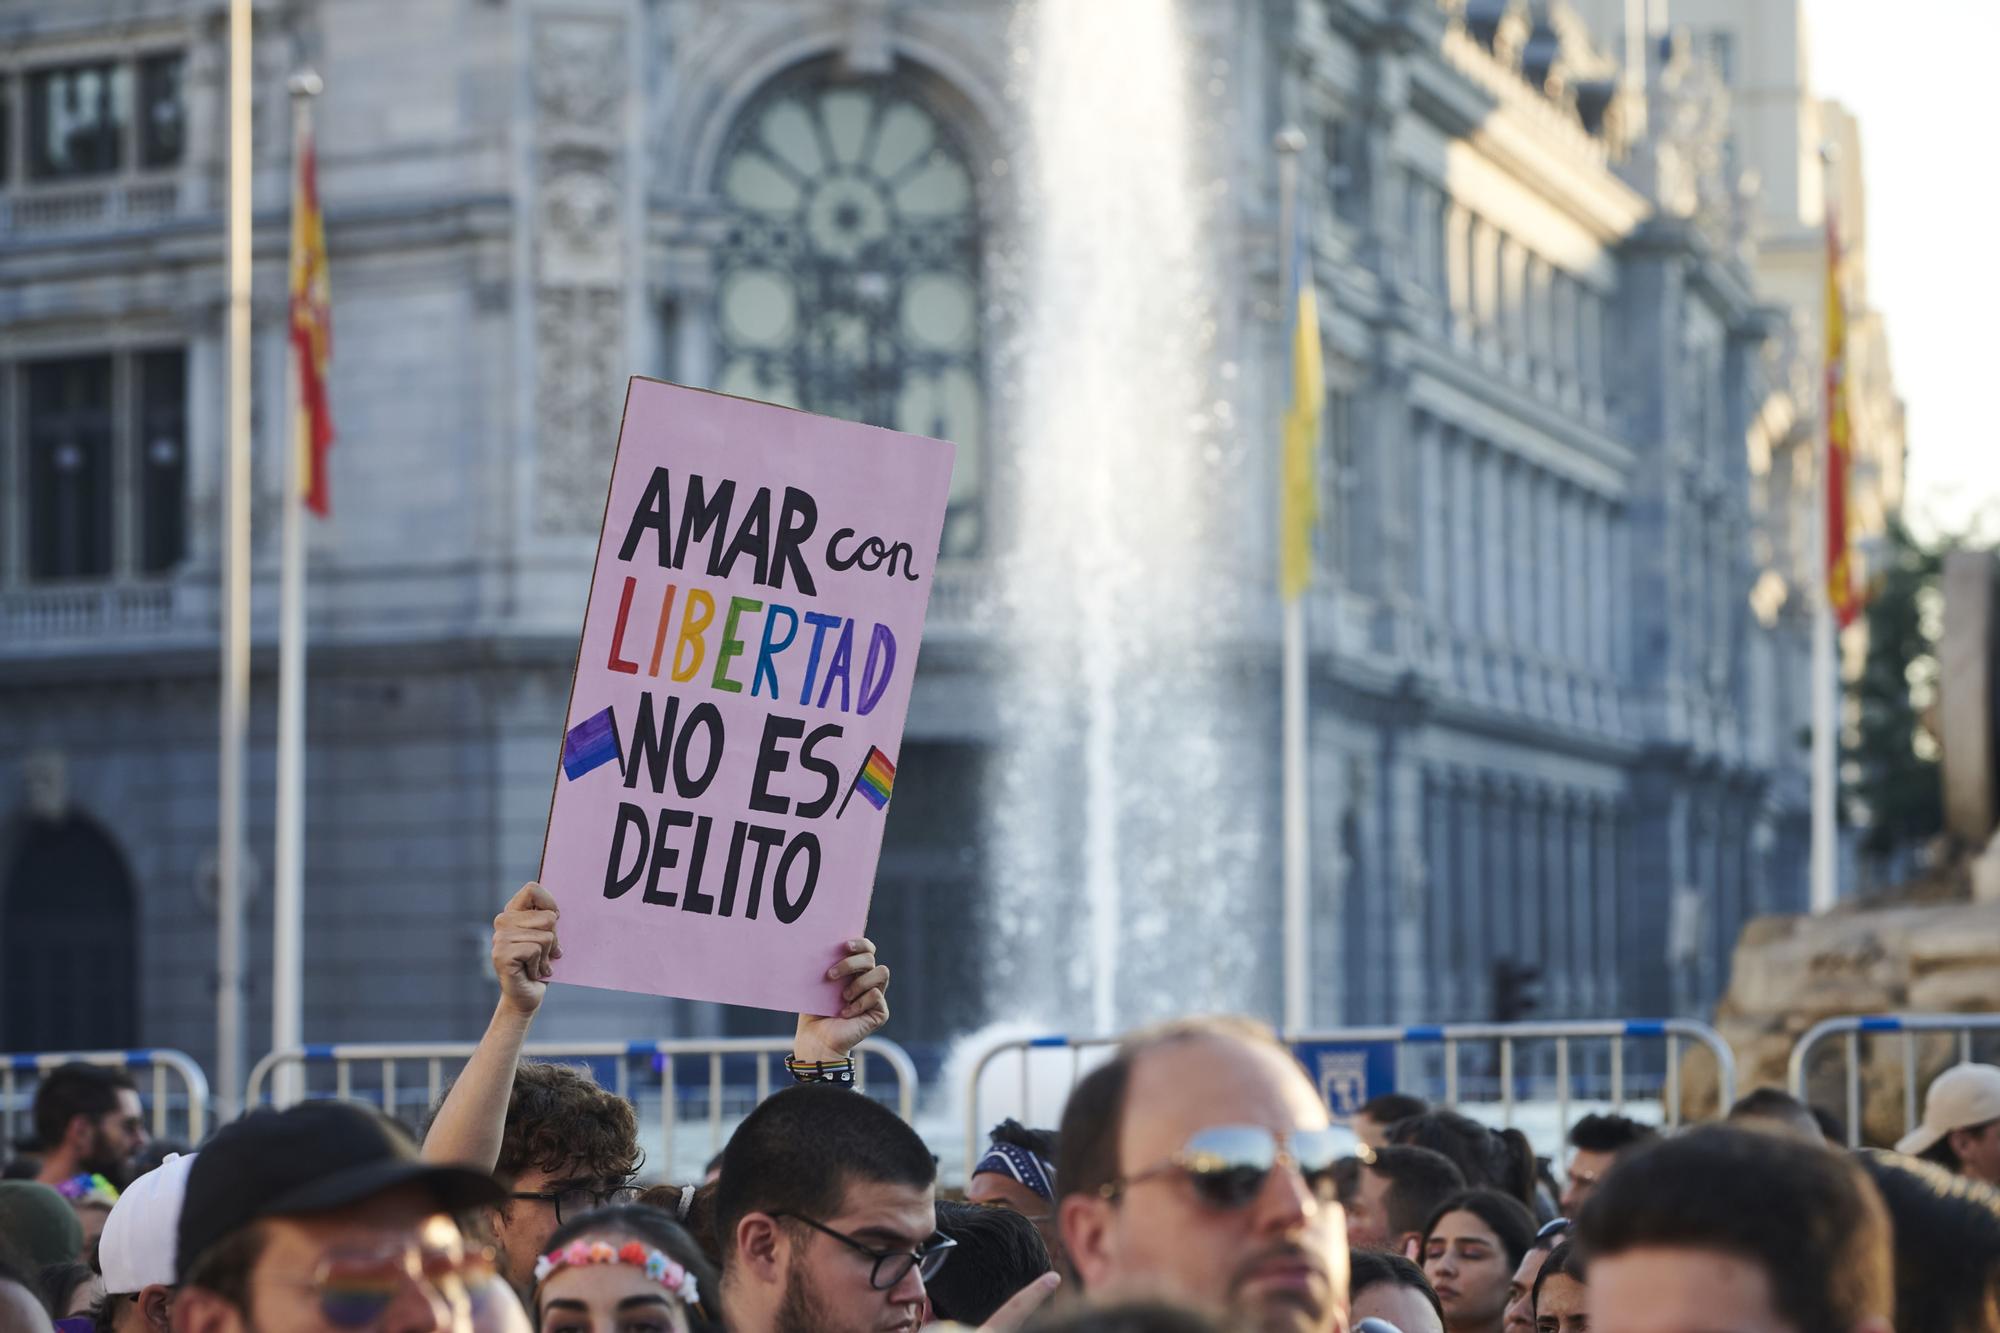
{"x":876,"y":777}
{"x":590,"y":744}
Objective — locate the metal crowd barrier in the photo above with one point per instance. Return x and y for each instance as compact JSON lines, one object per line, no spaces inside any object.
{"x":17,"y":1093}
{"x":1910,"y":1027}
{"x":1361,"y":1051}
{"x":379,"y":1072}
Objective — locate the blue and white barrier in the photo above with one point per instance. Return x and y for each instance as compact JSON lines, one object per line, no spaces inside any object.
{"x":1909,"y":1028}
{"x":177,"y":1112}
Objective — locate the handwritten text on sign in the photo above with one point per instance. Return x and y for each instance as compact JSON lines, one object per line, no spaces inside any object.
{"x":744,"y":675}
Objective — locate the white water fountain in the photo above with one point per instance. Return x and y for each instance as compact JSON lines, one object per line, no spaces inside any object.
{"x":1130,"y":820}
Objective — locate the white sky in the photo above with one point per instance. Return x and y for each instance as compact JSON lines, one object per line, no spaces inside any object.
{"x":1920,"y":75}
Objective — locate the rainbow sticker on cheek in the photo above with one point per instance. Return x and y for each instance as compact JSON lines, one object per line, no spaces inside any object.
{"x":355,"y":1298}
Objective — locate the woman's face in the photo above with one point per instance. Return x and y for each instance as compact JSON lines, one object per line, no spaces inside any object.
{"x":607,"y":1298}
{"x":1560,"y":1307}
{"x":1469,"y":1269}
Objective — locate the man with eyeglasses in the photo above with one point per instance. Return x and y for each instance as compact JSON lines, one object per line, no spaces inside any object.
{"x":825,"y":1216}
{"x":1197,"y":1164}
{"x":323,"y":1217}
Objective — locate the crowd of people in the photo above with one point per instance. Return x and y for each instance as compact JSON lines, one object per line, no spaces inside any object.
{"x":1195,"y":1184}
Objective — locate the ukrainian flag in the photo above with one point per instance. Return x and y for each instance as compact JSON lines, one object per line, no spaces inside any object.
{"x":1298,"y":488}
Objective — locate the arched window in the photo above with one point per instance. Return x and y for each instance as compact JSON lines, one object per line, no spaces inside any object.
{"x":848,"y":281}
{"x":68,"y":915}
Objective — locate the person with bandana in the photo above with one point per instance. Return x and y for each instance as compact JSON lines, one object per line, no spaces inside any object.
{"x":1019,"y":1172}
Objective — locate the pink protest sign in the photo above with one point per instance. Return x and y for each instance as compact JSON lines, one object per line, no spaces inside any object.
{"x":739,"y":697}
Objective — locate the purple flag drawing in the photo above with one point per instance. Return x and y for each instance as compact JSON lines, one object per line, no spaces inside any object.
{"x":591,"y":744}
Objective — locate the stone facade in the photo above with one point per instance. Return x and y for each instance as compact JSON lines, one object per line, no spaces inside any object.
{"x":1546,"y":729}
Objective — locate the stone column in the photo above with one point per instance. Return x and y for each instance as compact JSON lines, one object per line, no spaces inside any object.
{"x":583,"y":251}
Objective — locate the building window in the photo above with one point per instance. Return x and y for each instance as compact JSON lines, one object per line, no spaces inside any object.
{"x":69,"y":468}
{"x":849,"y":279}
{"x":160,"y":436}
{"x":77,"y":118}
{"x":1718,"y":48}
{"x":162,"y":119}
{"x":1346,"y":149}
{"x":104,"y":462}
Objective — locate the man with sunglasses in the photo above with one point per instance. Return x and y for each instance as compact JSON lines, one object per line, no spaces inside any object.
{"x":323,"y":1217}
{"x":825,"y":1216}
{"x":1198,"y":1164}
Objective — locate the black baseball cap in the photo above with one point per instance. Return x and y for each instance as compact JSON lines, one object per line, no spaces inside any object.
{"x":311,"y":1158}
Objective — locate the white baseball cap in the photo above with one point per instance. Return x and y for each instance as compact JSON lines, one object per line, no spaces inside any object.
{"x":136,"y":1250}
{"x":1960,"y":1097}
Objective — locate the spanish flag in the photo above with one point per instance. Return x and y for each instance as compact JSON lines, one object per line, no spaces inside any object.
{"x":1841,"y":591}
{"x":311,"y":326}
{"x":1298,"y":494}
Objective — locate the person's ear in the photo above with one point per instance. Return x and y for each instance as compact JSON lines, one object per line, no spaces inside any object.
{"x":199,"y":1310}
{"x":1085,"y":1220}
{"x":761,"y":1248}
{"x":156,"y":1306}
{"x":1411,"y":1246}
{"x":78,"y":1133}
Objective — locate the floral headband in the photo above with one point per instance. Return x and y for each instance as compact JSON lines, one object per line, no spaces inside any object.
{"x":658,"y":1267}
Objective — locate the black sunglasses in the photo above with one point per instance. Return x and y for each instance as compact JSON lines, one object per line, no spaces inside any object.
{"x":891,"y":1266}
{"x":1551,"y":1230}
{"x":1228,"y":1164}
{"x":573,"y":1201}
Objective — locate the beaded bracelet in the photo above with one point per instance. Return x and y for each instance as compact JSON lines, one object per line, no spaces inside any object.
{"x":821,"y":1071}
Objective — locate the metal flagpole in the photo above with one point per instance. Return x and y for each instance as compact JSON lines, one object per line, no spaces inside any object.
{"x":235,"y":704}
{"x":288,"y":895}
{"x":1297,"y":954}
{"x":1825,"y":643}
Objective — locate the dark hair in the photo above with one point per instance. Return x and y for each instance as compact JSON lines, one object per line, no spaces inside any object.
{"x":999,"y":1252}
{"x":224,"y":1267}
{"x":1719,"y":1188}
{"x":108,"y":1310}
{"x":799,"y":1150}
{"x":75,"y":1089}
{"x":697,"y":1218}
{"x":1778,"y":1105}
{"x":1419,"y":1180}
{"x":1041,"y":1142}
{"x":1947,"y":1231}
{"x":1130,"y":1317}
{"x":1829,"y":1125}
{"x":1093,"y":1118}
{"x":1565,"y":1260}
{"x":1506,"y":1217}
{"x":1488,"y":1158}
{"x":1371,"y":1268}
{"x":59,"y":1283}
{"x":559,"y":1118}
{"x":1390,"y":1107}
{"x":656,"y":1228}
{"x":1610,"y":1133}
{"x":1942,"y":1156}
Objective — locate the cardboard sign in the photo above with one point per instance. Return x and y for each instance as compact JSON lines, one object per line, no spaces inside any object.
{"x":739,"y":697}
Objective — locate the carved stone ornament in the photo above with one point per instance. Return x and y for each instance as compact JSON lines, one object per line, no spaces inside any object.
{"x":578,"y":334}
{"x":580,"y":73}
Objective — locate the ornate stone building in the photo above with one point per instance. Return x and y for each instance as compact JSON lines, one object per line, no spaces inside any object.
{"x":1547,"y":729}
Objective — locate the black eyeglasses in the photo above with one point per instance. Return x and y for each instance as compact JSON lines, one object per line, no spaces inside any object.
{"x":891,"y":1266}
{"x":576,"y":1200}
{"x":1228,"y":1164}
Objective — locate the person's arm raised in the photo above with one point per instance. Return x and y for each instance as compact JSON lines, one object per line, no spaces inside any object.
{"x":473,"y":1120}
{"x":865,"y":1008}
